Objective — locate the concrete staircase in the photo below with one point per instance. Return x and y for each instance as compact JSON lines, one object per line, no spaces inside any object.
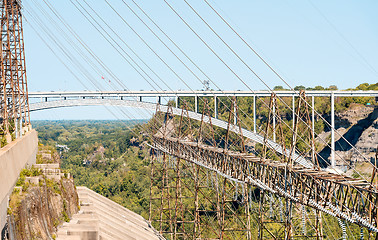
{"x":102,"y":219}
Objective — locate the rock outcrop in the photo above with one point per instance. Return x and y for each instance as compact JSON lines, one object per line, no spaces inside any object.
{"x":37,"y":212}
{"x":357,"y":127}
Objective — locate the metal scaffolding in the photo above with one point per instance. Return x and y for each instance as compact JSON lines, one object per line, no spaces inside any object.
{"x":207,"y":188}
{"x":14,"y":104}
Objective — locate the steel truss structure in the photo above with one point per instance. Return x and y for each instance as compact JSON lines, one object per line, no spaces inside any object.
{"x":14,"y":105}
{"x":245,"y":191}
{"x":191,"y":202}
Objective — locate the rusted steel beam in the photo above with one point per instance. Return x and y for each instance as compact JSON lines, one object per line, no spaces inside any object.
{"x":14,"y":103}
{"x":330,"y":195}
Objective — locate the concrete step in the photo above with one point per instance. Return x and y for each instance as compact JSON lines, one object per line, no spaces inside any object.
{"x":69,"y":238}
{"x":117,"y":228}
{"x":109,"y":203}
{"x":103,"y":199}
{"x":80,"y":230}
{"x":109,"y":219}
{"x":113,"y":233}
{"x":105,"y":236}
{"x":120,"y":216}
{"x":132,"y":216}
{"x":117,"y":210}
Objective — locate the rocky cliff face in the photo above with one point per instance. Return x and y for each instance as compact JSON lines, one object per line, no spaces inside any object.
{"x":44,"y":198}
{"x":43,"y":208}
{"x":367,"y":143}
{"x":359,"y":127}
{"x":355,"y":113}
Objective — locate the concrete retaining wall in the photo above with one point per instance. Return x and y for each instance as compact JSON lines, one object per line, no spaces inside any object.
{"x":13,"y":159}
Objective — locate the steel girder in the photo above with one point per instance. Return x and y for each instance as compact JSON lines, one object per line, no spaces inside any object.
{"x":340,"y":196}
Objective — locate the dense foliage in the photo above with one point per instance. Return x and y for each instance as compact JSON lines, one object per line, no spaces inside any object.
{"x":106,"y":156}
{"x":111,"y":157}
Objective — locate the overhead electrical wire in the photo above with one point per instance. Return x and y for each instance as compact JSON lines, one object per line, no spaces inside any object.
{"x":165,"y":1}
{"x":74,"y":74}
{"x":151,"y":48}
{"x":184,"y":21}
{"x":367,"y":63}
{"x":104,"y":30}
{"x":178,"y":58}
{"x":282,"y":79}
{"x":89,"y":77}
{"x":40,"y":23}
{"x":169,"y":87}
{"x":181,"y":52}
{"x":118,"y":45}
{"x":87,"y":48}
{"x":207,"y":45}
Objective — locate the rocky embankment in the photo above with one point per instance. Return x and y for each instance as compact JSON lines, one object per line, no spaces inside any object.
{"x":43,"y":199}
{"x":358,"y":126}
{"x":43,"y":209}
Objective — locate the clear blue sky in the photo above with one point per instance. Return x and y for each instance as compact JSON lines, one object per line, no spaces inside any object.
{"x":308,"y":42}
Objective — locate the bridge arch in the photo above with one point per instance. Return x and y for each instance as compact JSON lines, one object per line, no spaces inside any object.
{"x":176,"y":111}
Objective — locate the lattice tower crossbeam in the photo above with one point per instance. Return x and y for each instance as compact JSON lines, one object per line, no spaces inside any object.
{"x":14,"y":105}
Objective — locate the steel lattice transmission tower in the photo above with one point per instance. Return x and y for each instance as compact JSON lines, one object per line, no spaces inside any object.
{"x":14,"y":104}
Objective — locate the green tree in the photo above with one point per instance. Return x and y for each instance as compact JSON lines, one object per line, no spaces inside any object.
{"x":332,"y":87}
{"x":300,"y":87}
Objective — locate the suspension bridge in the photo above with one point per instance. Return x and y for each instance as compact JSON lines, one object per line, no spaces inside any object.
{"x":232,"y":174}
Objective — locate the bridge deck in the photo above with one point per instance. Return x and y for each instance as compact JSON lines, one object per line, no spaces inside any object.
{"x":185,"y":93}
